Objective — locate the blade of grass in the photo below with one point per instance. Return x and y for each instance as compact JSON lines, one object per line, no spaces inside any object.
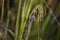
{"x":2,"y":10}
{"x":5,"y":35}
{"x":23,"y":21}
{"x":17,"y":21}
{"x":2,"y":13}
{"x":46,"y":22}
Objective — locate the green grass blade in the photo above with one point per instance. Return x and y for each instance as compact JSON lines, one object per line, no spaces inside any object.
{"x":23,"y":23}
{"x":17,"y":22}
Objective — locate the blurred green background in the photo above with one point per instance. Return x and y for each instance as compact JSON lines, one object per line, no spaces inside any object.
{"x":29,"y":19}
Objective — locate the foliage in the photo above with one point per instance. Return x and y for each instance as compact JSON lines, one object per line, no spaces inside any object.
{"x":30,"y":20}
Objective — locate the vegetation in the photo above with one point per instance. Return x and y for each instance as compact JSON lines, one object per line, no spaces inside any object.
{"x":29,"y":20}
